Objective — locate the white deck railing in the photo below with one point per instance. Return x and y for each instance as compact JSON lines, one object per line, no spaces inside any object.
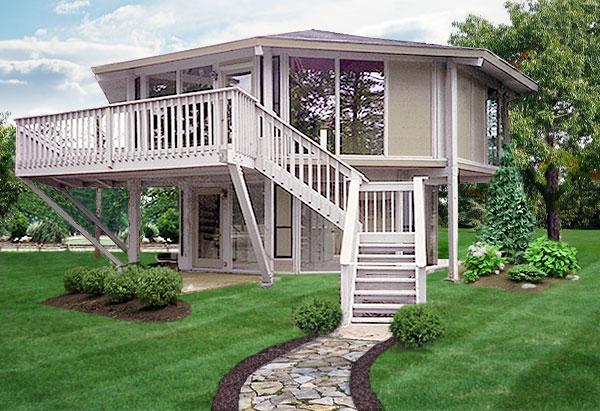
{"x":144,"y":134}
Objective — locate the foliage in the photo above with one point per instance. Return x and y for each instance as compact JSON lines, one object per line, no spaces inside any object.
{"x":509,"y":222}
{"x":556,"y":130}
{"x":16,"y":226}
{"x":415,"y":325}
{"x":48,"y":231}
{"x":168,"y":225}
{"x":121,"y":287}
{"x":526,"y":272}
{"x":159,"y":286}
{"x":555,"y":258}
{"x":10,"y":188}
{"x":93,"y":280}
{"x":318,"y":317}
{"x":482,"y":259}
{"x":73,"y":279}
{"x":150,"y":231}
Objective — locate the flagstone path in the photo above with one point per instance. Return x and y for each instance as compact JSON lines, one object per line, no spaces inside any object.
{"x":314,"y":376}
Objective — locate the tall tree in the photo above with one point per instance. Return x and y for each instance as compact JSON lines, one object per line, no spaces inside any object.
{"x":9,"y":185}
{"x":557,"y":43}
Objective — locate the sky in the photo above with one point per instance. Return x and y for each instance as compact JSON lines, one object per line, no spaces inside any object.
{"x":47,"y":47}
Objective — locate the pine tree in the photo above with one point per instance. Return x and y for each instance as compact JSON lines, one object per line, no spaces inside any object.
{"x":509,"y":221}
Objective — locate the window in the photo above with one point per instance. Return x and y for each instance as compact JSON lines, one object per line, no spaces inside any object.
{"x":312,"y":95}
{"x":242,"y":80}
{"x":196,"y":79}
{"x":137,"y":88}
{"x":276,"y":83}
{"x":283,"y":223}
{"x":162,"y":84}
{"x":361,"y":107}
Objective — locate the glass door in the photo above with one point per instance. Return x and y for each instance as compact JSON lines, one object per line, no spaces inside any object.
{"x":208,"y":230}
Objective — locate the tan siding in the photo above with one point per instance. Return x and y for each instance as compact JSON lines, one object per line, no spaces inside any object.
{"x":479,"y":123}
{"x":464,"y":115}
{"x":409,"y":109}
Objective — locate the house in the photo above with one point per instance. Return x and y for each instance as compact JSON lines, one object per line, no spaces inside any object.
{"x":297,"y":152}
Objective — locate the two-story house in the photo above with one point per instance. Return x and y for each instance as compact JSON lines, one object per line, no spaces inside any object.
{"x":297,"y":152}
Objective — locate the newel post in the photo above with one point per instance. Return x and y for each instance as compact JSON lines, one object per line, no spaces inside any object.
{"x":420,"y":237}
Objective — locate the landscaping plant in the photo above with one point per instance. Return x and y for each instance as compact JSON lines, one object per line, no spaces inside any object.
{"x":526,"y":272}
{"x":415,"y":325}
{"x":555,"y":258}
{"x":509,"y":221}
{"x":318,"y":317}
{"x":482,"y":259}
{"x":159,"y":286}
{"x":121,"y":287}
{"x":47,"y":231}
{"x":93,"y":280}
{"x":73,"y":279}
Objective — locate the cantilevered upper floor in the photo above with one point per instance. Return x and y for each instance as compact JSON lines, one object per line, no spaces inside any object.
{"x":371,"y":103}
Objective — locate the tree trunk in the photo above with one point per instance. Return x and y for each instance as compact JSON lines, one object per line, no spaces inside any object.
{"x":551,"y":200}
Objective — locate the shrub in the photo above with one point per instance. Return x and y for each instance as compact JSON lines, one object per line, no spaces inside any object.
{"x":555,"y":258}
{"x":318,"y":317}
{"x":509,"y":221}
{"x":93,"y":280}
{"x":121,"y":287}
{"x":526,"y":272}
{"x":73,"y":279}
{"x":47,"y":231}
{"x":17,"y":226}
{"x":159,"y":286}
{"x":415,"y":325}
{"x":150,"y":231}
{"x":168,"y":225}
{"x":482,"y":259}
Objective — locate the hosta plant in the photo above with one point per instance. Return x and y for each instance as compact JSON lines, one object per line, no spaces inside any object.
{"x":555,"y":258}
{"x":482,"y":259}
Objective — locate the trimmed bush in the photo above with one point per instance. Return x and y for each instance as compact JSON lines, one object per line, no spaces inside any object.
{"x":159,"y":286}
{"x":415,"y":325}
{"x":318,"y":317}
{"x":17,"y":226}
{"x":482,"y":259}
{"x":121,"y":287}
{"x":47,"y":231}
{"x":509,"y":221}
{"x":526,"y":272}
{"x":555,"y":258}
{"x":93,"y":280}
{"x":73,"y":279}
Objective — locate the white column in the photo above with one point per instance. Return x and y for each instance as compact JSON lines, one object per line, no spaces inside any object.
{"x":227,"y":235}
{"x":270,"y":221}
{"x":133,"y":214}
{"x":451,"y":110}
{"x":296,"y":235}
{"x":268,"y":77}
{"x":185,"y":231}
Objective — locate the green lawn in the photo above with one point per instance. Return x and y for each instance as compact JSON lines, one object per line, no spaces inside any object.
{"x":503,"y":350}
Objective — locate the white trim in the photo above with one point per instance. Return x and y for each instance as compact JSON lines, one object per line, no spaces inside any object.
{"x":434,"y":111}
{"x":386,"y":106}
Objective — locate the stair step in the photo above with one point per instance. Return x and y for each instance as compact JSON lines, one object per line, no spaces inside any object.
{"x":384,"y":280}
{"x":371,"y":319}
{"x":385,"y":292}
{"x":375,"y":306}
{"x":387,"y":256}
{"x":386,"y":245}
{"x":376,"y":266}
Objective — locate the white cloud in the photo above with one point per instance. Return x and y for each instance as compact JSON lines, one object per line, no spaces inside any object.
{"x":67,"y":7}
{"x":13,"y":82}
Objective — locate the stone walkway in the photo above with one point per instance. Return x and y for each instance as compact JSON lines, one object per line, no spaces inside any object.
{"x":315,"y":376}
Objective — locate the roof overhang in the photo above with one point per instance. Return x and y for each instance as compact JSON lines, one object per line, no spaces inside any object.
{"x":485,"y":60}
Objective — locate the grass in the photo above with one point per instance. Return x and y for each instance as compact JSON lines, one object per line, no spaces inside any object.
{"x":503,"y":350}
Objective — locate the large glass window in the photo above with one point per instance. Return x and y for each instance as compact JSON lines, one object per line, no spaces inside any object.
{"x":196,"y":79}
{"x":162,"y":84}
{"x":312,"y":95}
{"x":361,"y":107}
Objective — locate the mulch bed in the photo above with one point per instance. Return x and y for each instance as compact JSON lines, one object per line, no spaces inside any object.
{"x":360,"y":385}
{"x":131,"y":311}
{"x":503,"y":282}
{"x":228,"y":393}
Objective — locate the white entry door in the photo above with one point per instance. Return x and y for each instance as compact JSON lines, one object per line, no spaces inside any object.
{"x":208,"y":229}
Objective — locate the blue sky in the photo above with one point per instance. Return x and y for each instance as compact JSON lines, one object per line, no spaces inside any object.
{"x":47,"y":47}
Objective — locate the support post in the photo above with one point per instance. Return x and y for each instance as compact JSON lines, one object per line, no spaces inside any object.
{"x":98,"y":232}
{"x":239,"y":183}
{"x":452,"y":169}
{"x":432,"y":224}
{"x":270,"y":221}
{"x":296,"y":235}
{"x":69,"y":219}
{"x":133,"y":215}
{"x":185,"y":231}
{"x":420,"y":238}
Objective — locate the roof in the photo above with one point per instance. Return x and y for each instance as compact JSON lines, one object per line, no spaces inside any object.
{"x":332,"y":41}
